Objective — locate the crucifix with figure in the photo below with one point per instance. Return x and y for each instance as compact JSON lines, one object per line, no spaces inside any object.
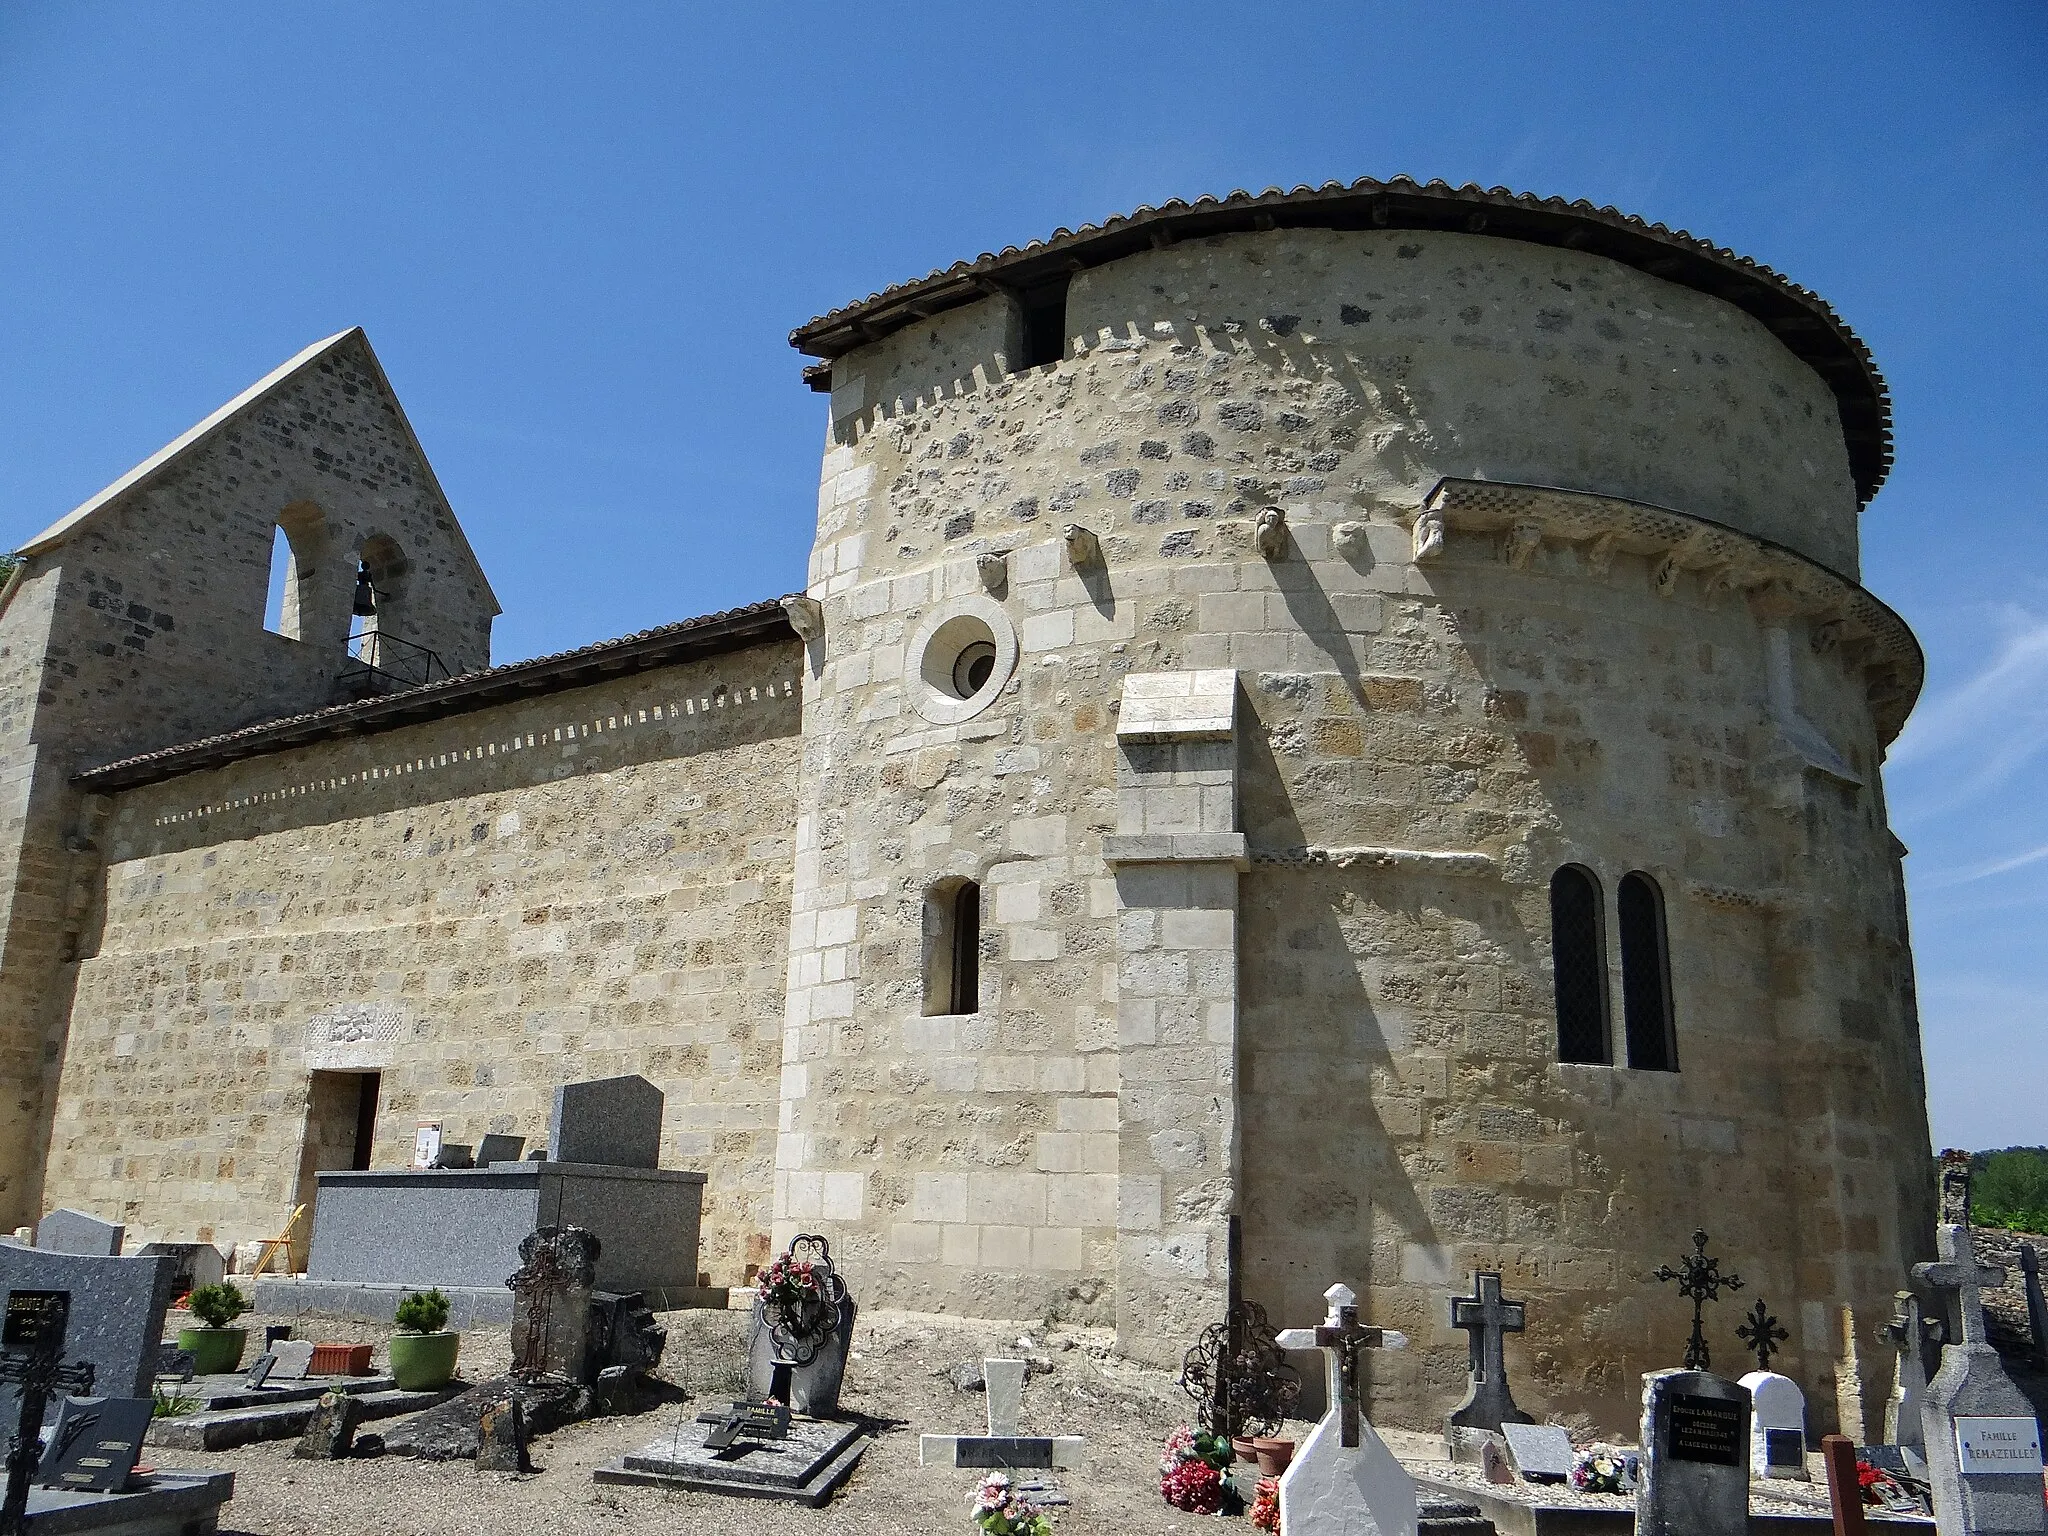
{"x":32,"y":1358}
{"x":1344,"y":1481}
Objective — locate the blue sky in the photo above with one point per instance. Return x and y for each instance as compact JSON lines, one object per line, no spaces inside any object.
{"x":578,"y":237}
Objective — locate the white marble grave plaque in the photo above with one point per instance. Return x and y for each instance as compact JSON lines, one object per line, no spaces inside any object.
{"x":1999,"y":1445}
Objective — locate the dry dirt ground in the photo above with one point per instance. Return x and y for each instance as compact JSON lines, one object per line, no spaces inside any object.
{"x":899,"y":1377}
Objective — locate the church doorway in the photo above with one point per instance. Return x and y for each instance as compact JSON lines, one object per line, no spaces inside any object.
{"x":341,"y":1126}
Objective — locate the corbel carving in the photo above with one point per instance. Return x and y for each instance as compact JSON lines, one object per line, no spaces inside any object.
{"x":1827,"y":635}
{"x":1428,"y":534}
{"x":806,"y":617}
{"x":1352,"y":540}
{"x":1523,"y":540}
{"x":1083,"y":548}
{"x":1665,"y":577}
{"x":1600,"y":553}
{"x":994,"y":569}
{"x":1272,"y":533}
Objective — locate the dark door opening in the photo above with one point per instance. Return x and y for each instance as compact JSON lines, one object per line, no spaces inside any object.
{"x":366,"y":1120}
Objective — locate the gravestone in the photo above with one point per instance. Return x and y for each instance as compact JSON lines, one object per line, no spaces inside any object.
{"x":1343,"y":1481}
{"x":1983,"y":1445}
{"x":1542,"y":1453}
{"x":198,"y":1264}
{"x":1777,"y":1426}
{"x":2037,"y":1308}
{"x":801,"y":1359}
{"x":551,"y":1292}
{"x":1695,"y":1472}
{"x":117,"y":1310}
{"x":1005,"y":1445}
{"x":259,"y":1373}
{"x":293,"y":1359}
{"x":65,"y":1231}
{"x":1700,"y":1281}
{"x":1004,"y":1380}
{"x":330,"y":1433}
{"x":1487,"y":1318}
{"x":499,"y":1149}
{"x":615,"y":1121}
{"x":1910,"y":1336}
{"x":501,"y":1436}
{"x":95,"y":1443}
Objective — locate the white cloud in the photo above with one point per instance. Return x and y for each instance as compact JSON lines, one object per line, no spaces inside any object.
{"x":1972,"y":738}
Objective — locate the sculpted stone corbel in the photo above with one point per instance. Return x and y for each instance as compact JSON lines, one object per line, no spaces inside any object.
{"x":1600,"y":553}
{"x":1523,"y":540}
{"x":1083,"y":548}
{"x":1827,"y":635}
{"x":1272,"y":533}
{"x":1718,"y":583}
{"x":806,"y":617}
{"x":1428,"y":534}
{"x":1665,"y":577}
{"x":1352,"y":540}
{"x":994,"y":569}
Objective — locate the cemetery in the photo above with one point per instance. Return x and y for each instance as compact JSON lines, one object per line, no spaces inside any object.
{"x":1101,"y":1012}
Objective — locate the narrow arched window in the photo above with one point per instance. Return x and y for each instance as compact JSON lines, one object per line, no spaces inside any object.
{"x":296,"y":539}
{"x":952,"y":948}
{"x":1578,"y":962}
{"x":1645,"y":975}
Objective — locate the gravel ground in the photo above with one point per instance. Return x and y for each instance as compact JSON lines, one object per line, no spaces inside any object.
{"x":899,"y":1377}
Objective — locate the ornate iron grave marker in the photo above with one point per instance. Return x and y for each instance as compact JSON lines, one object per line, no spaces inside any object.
{"x":1761,"y":1335}
{"x":1700,"y":1281}
{"x":1238,"y":1375}
{"x":31,"y":1358}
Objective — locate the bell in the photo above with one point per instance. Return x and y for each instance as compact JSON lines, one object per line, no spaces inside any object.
{"x":365,"y":605}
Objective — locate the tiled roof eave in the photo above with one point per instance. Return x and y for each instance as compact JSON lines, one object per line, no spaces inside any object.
{"x":690,"y":640}
{"x":1800,"y":318}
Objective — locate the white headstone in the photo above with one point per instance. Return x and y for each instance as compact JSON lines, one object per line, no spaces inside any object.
{"x":1777,"y":1425}
{"x":1331,"y":1489}
{"x":1005,"y":1382}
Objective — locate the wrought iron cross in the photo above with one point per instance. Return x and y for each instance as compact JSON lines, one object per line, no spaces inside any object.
{"x":1700,"y":1281}
{"x":1344,"y":1337}
{"x":1761,"y":1335}
{"x":32,"y":1358}
{"x":1958,"y":1275}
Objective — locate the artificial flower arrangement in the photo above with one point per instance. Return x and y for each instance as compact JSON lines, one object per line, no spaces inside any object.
{"x":1001,"y":1511}
{"x":1602,"y":1469}
{"x":1191,"y":1472}
{"x":1266,"y":1505}
{"x":789,"y":1282}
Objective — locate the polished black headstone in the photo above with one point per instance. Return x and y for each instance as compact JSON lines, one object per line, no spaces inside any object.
{"x":95,"y":1443}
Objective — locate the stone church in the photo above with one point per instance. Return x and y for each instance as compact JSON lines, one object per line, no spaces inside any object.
{"x":1329,"y":734}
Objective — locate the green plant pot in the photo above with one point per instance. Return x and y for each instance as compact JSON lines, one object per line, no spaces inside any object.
{"x":214,"y":1351}
{"x":420,"y":1361}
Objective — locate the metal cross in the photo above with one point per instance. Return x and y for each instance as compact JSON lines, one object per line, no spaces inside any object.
{"x":1700,"y":1281}
{"x":1343,"y":1336}
{"x":1960,"y":1280}
{"x":31,"y":1357}
{"x":1761,"y":1335}
{"x":1487,"y":1319}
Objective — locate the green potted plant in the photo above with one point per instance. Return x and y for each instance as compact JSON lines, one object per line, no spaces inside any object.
{"x":215,"y":1348}
{"x":423,"y":1351}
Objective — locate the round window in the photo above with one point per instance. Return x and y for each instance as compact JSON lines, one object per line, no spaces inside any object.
{"x":971,"y":668}
{"x":962,"y":655}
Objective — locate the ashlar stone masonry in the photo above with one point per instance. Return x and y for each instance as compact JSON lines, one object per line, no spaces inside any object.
{"x":1226,"y":626}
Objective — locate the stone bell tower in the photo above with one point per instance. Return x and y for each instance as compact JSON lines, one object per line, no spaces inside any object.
{"x":138,"y":622}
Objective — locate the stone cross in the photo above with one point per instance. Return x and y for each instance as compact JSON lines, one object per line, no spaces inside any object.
{"x":2037,"y":1308}
{"x":31,"y":1359}
{"x":1487,"y":1319}
{"x":1959,"y":1275}
{"x":1343,"y":1336}
{"x":1909,"y":1334}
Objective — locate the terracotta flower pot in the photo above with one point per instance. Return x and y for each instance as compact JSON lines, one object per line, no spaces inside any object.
{"x":1273,"y":1455}
{"x":1245,"y":1447}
